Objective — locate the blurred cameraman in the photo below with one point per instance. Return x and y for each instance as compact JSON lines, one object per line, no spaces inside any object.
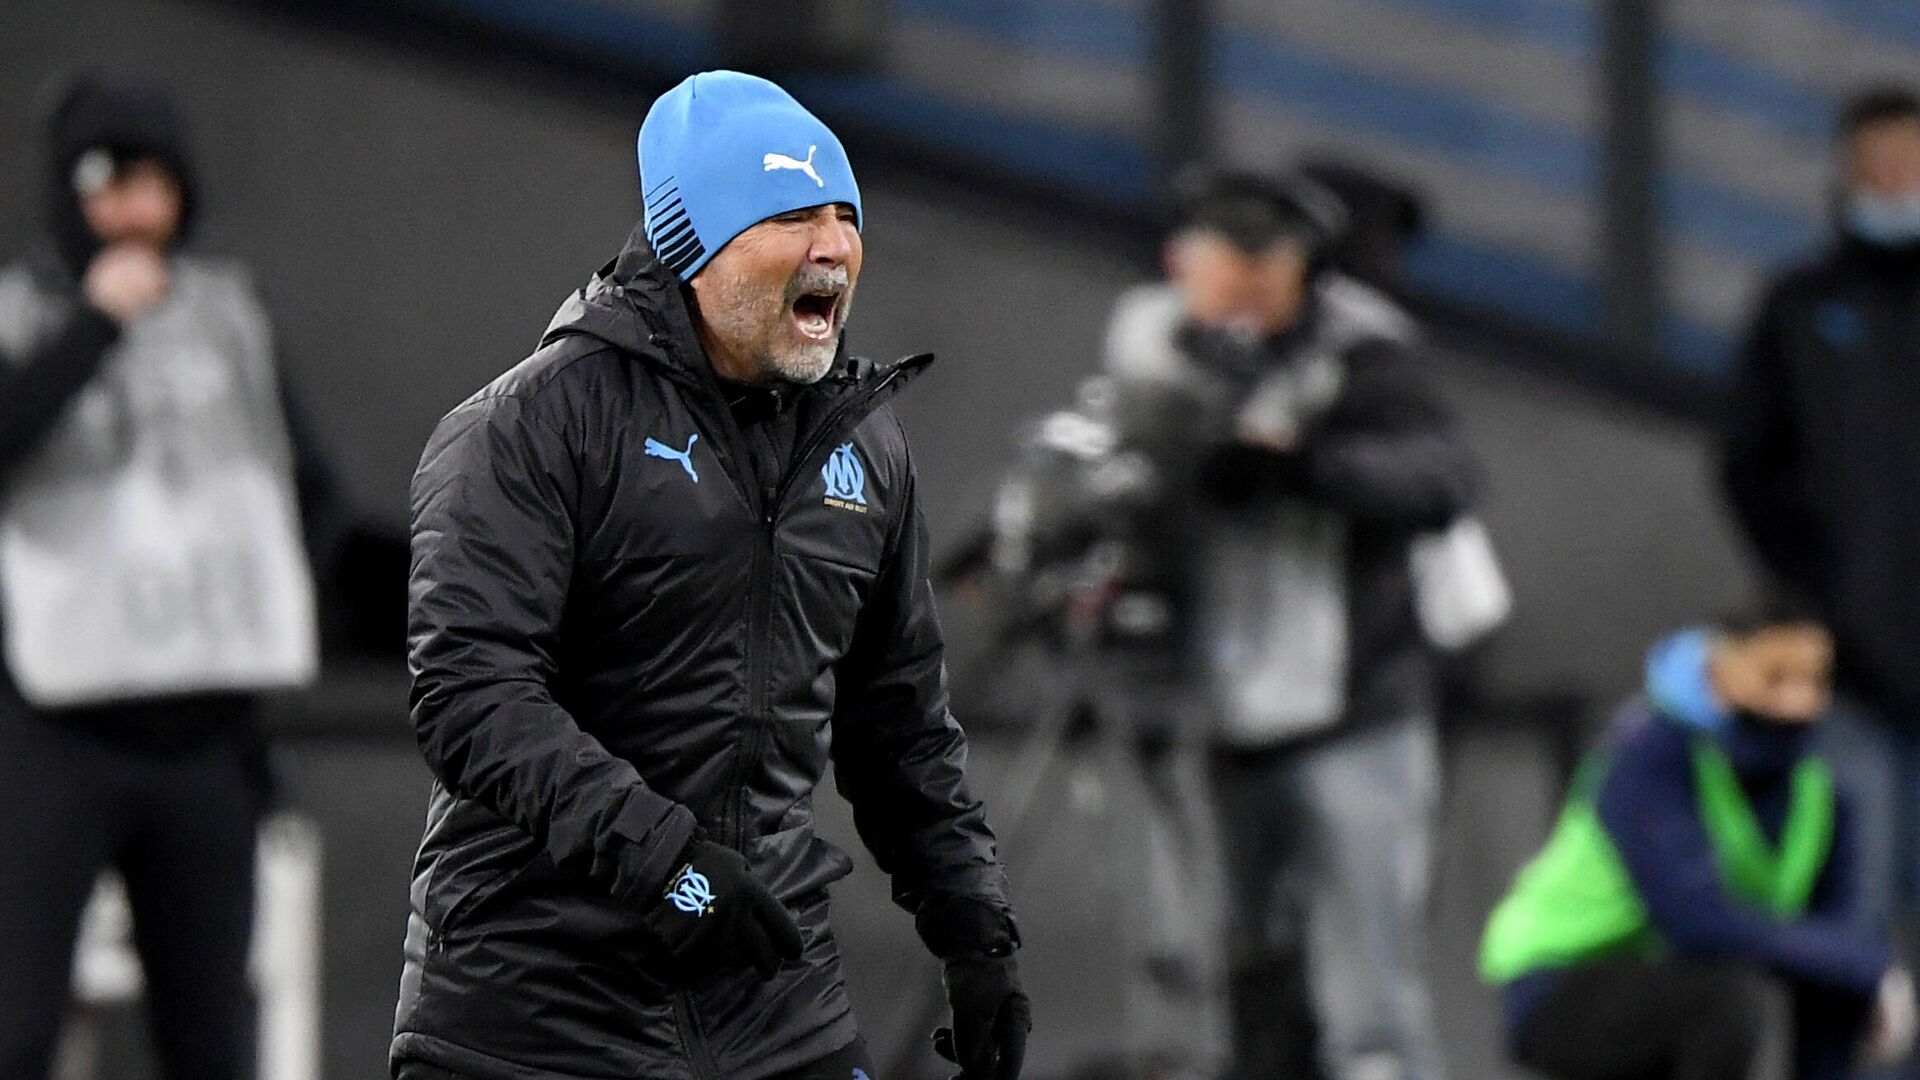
{"x":1300,"y":457}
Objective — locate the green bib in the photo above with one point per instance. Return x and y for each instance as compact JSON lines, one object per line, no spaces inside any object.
{"x":1575,"y":902}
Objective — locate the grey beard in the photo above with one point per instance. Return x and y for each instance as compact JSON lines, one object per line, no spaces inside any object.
{"x":805,"y":366}
{"x":739,"y":317}
{"x":810,"y":363}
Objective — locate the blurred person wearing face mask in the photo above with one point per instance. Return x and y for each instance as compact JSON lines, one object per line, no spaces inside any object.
{"x":665,"y":570}
{"x":154,"y":583}
{"x":1822,"y":468}
{"x":1296,"y":458}
{"x":1697,"y":911}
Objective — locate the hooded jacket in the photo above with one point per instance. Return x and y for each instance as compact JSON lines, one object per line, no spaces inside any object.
{"x":1821,"y":454}
{"x":127,"y":119}
{"x":619,"y":635}
{"x":58,"y":353}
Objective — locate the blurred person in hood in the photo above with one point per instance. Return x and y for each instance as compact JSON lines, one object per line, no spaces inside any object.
{"x":1696,"y":913}
{"x":154,"y":583}
{"x":666,"y":570}
{"x":1822,"y":468}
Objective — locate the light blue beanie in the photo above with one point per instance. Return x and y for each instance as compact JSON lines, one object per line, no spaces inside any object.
{"x":724,"y":151}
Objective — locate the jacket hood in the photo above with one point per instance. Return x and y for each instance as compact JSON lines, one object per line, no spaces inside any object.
{"x":128,"y":120}
{"x":1677,"y":681}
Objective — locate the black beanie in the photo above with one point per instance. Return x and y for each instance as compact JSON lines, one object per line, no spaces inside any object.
{"x":127,"y":120}
{"x":1254,"y":209}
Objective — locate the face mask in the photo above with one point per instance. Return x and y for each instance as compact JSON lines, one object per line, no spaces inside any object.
{"x":1884,"y":220}
{"x":1763,"y":724}
{"x":1756,"y":743}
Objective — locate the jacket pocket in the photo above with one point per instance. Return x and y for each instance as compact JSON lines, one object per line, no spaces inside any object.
{"x":535,"y":900}
{"x":461,"y":910}
{"x":466,"y":875}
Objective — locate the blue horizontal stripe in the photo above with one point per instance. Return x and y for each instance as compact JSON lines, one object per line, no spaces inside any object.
{"x":1552,"y":298}
{"x":1732,"y":224}
{"x":1897,"y":19}
{"x":1743,"y":85}
{"x":1696,"y":348}
{"x":1726,"y":80}
{"x":1485,"y":135}
{"x":1533,"y":291}
{"x":1562,"y":24}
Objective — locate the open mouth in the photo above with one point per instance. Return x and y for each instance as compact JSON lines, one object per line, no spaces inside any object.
{"x":814,"y":314}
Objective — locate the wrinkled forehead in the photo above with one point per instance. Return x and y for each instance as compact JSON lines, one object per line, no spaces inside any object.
{"x":838,"y":207}
{"x":776,"y":233}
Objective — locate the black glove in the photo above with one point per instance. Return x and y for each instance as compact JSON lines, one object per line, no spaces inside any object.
{"x":991,"y":1014}
{"x":714,"y":915}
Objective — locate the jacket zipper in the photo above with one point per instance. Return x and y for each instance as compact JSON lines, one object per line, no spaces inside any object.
{"x":699,"y":1058}
{"x":762,"y":613}
{"x":758,"y":619}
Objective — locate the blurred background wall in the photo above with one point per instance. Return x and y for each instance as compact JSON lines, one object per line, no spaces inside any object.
{"x":415,"y":196}
{"x":414,"y":207}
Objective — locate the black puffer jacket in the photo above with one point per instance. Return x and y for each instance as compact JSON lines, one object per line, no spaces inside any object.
{"x":611,"y":648}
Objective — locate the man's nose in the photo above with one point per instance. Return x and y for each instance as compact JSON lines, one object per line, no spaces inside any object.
{"x":832,"y":243}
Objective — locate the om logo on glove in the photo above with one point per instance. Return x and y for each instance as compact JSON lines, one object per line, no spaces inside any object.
{"x":691,"y":892}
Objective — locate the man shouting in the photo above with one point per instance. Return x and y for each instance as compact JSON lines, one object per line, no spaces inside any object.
{"x":664,"y":570}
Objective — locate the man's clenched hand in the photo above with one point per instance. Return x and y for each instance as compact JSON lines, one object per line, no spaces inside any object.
{"x":125,"y":280}
{"x":714,"y":915}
